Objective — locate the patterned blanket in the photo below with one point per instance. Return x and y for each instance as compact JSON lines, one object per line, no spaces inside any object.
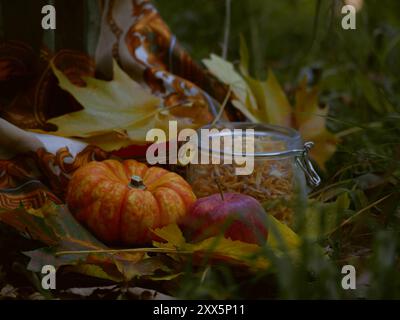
{"x":131,"y":32}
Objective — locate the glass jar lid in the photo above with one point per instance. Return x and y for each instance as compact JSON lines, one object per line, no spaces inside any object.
{"x":270,"y":141}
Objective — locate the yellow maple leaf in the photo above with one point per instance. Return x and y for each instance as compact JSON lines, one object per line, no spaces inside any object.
{"x":281,"y":238}
{"x":108,"y":105}
{"x":115,"y":113}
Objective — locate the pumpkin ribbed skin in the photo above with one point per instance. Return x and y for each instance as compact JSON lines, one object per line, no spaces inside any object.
{"x":100,"y":196}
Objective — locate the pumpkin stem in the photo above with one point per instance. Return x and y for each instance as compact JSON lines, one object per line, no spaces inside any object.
{"x":137,"y":183}
{"x":221,"y":192}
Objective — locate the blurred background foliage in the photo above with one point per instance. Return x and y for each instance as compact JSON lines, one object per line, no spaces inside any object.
{"x":293,"y":35}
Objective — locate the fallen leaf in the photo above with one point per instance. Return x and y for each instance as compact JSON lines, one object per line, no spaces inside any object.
{"x":119,"y":113}
{"x":266,"y":102}
{"x":97,"y":271}
{"x":310,"y":120}
{"x":142,"y":267}
{"x":173,"y":234}
{"x":227,"y":74}
{"x":8,"y":291}
{"x":108,"y":105}
{"x":30,"y":225}
{"x":260,"y":101}
{"x":272,"y":104}
{"x":136,"y":293}
{"x":54,"y":226}
{"x":87,"y":292}
{"x":281,"y":238}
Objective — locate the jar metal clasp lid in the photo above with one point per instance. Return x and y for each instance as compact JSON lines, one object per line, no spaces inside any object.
{"x":303,"y":160}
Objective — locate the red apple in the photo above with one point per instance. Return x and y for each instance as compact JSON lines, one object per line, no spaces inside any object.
{"x":238,"y":216}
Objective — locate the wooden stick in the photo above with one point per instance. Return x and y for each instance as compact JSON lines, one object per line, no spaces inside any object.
{"x":114,"y":251}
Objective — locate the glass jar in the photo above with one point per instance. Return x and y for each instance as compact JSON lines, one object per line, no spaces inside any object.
{"x":281,"y":167}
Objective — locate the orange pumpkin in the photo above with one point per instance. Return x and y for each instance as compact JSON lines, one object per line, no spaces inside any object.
{"x":121,"y":201}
